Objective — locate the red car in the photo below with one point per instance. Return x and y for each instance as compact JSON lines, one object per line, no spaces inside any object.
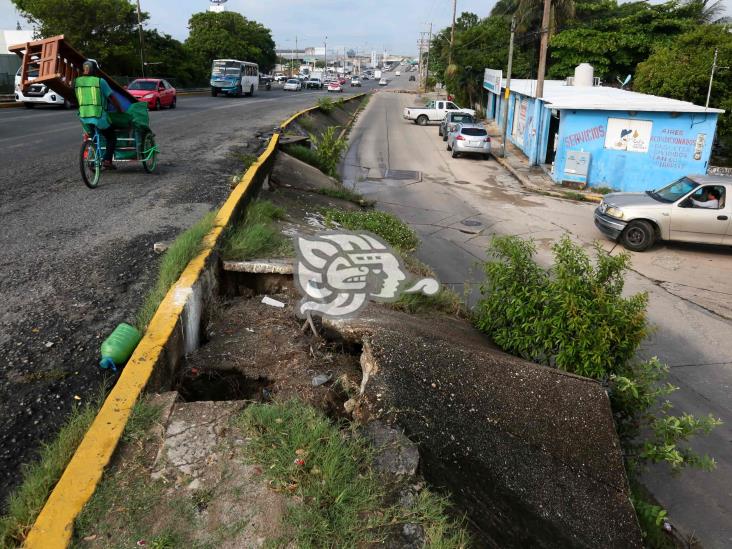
{"x":341,"y":81}
{"x":335,"y":87}
{"x":156,"y":92}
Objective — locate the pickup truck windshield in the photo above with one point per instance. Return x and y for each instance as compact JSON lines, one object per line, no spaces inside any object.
{"x":451,"y":106}
{"x":674,"y":191}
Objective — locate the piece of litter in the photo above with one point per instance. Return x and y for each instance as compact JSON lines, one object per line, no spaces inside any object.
{"x":272,"y":302}
{"x":320,"y":379}
{"x":77,"y":397}
{"x":49,"y":344}
{"x":249,"y":330}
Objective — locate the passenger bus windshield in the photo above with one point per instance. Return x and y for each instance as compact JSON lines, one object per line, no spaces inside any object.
{"x":674,"y":191}
{"x":226,"y":68}
{"x":143,"y":85}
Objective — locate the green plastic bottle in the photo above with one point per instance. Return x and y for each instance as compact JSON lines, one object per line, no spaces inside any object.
{"x":118,"y":347}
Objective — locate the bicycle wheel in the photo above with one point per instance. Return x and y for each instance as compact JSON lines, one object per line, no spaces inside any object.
{"x":90,"y":164}
{"x":149,"y":153}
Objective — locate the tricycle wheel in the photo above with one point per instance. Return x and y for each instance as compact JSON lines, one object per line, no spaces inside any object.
{"x":149,"y":153}
{"x":90,"y":164}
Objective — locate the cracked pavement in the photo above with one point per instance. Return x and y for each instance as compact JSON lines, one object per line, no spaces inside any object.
{"x":690,"y":297}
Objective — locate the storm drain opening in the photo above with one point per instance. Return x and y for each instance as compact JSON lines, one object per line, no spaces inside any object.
{"x":403,"y":175}
{"x":218,"y":385}
{"x":470,"y":226}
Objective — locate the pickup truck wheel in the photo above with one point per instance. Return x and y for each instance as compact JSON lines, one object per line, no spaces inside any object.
{"x":638,"y":236}
{"x":422,"y":120}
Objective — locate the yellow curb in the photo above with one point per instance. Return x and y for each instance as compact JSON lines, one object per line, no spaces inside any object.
{"x":13,"y":105}
{"x":54,"y":526}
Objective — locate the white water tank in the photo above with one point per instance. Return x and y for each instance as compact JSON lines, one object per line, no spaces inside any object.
{"x":584,"y":75}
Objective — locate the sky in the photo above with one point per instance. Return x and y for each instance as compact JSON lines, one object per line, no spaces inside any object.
{"x":368,"y":25}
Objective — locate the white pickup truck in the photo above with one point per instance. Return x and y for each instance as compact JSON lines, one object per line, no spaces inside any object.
{"x":434,"y":111}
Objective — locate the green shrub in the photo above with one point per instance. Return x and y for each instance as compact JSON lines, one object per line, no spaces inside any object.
{"x":574,"y":317}
{"x":306,"y":122}
{"x":340,"y":103}
{"x":255,"y":236}
{"x":329,"y":148}
{"x":304,"y":154}
{"x":394,"y":231}
{"x":326,"y":105}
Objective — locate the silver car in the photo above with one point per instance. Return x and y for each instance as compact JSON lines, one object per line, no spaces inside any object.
{"x":691,"y":209}
{"x":452,"y":119}
{"x":469,"y":139}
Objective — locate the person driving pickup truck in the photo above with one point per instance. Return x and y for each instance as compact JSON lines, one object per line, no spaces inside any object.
{"x":709,"y":199}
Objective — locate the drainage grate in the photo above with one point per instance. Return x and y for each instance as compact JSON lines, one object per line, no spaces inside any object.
{"x":402,"y":174}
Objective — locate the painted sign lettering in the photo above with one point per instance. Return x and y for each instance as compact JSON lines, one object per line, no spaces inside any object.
{"x":584,"y":136}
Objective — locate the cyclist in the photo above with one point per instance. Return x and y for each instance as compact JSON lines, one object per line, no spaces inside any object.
{"x":94,"y":95}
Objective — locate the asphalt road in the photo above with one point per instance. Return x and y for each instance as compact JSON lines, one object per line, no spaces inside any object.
{"x":690,"y":301}
{"x":74,"y":262}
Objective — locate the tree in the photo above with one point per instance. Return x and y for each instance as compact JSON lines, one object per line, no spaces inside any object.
{"x":681,"y":71}
{"x":101,"y":29}
{"x":230,"y":35}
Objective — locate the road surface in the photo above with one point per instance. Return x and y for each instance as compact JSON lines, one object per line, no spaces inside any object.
{"x":690,"y":297}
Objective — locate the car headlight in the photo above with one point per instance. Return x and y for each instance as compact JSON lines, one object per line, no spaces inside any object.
{"x":148,"y":96}
{"x":615,"y":212}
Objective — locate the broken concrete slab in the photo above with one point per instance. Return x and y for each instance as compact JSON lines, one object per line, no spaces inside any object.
{"x":290,"y":172}
{"x":529,"y":452}
{"x":261,"y":266}
{"x":395,"y":455}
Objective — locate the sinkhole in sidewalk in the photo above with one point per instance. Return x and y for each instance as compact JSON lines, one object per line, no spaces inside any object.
{"x":218,"y":385}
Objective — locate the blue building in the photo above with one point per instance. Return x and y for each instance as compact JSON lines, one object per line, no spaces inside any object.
{"x":604,"y":137}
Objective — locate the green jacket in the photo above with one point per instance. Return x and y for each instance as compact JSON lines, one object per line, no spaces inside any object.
{"x":92,"y":103}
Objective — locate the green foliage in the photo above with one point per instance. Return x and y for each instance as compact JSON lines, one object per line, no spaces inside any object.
{"x":340,"y":499}
{"x":143,"y":416}
{"x":230,"y":35}
{"x":304,"y":154}
{"x":255,"y":236}
{"x":329,"y":149}
{"x":306,"y":122}
{"x":346,"y":194}
{"x":574,"y":317}
{"x":179,"y":254}
{"x":326,"y":105}
{"x":444,"y":301}
{"x":651,"y":519}
{"x":40,"y":477}
{"x":394,"y":231}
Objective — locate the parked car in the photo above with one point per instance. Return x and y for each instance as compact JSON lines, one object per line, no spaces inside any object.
{"x":398,"y":73}
{"x":452,"y":119}
{"x":355,"y":81}
{"x":335,"y":86}
{"x":434,"y":111}
{"x":155,"y":91}
{"x":365,"y":77}
{"x":342,"y":81}
{"x":37,"y":93}
{"x":692,"y":209}
{"x":469,"y":139}
{"x":383,"y":82}
{"x":314,"y":83}
{"x":292,"y":84}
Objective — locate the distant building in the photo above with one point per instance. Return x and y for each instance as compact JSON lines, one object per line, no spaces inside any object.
{"x":217,"y":6}
{"x":9,"y":62}
{"x":590,"y":134}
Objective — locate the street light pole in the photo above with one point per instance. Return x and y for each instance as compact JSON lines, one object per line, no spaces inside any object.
{"x":452,"y":32}
{"x":325,"y":56}
{"x":508,"y":85}
{"x":544,"y":46}
{"x":142,"y":42}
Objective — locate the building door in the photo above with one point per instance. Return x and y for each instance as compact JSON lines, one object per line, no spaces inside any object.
{"x":553,"y":142}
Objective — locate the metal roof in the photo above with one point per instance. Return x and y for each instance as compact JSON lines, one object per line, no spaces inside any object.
{"x":558,"y":95}
{"x":13,"y":37}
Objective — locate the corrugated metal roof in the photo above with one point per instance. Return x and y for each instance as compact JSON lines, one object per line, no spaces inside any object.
{"x":558,"y":95}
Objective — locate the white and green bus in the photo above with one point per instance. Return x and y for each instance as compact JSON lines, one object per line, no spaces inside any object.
{"x":232,"y":77}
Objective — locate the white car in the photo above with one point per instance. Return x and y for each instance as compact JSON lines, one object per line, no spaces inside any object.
{"x":37,"y":93}
{"x":382,"y":82}
{"x":292,"y":84}
{"x":398,"y":73}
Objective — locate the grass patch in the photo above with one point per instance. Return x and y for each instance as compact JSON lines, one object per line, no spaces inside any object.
{"x":255,"y":236}
{"x":574,"y":196}
{"x":181,"y":252}
{"x":341,"y":501}
{"x":306,"y":122}
{"x":602,"y":190}
{"x":394,"y":231}
{"x":343,"y":193}
{"x":247,"y":159}
{"x":41,"y":476}
{"x":445,"y":301}
{"x":143,"y":416}
{"x":304,"y":154}
{"x":326,"y":105}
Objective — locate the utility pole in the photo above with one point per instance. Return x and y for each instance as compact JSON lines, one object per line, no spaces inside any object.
{"x":508,"y":85}
{"x":142,"y":42}
{"x":452,"y":32}
{"x":429,"y":50}
{"x":325,"y":57}
{"x":544,"y":46}
{"x":711,"y":77}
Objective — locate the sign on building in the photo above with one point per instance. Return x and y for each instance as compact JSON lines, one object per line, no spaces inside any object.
{"x":492,"y":80}
{"x":624,"y":134}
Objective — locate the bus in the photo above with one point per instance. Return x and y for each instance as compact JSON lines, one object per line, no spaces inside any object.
{"x":232,"y":77}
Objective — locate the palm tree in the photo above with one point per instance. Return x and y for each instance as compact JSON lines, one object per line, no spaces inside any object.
{"x":706,"y":11}
{"x":529,"y":13}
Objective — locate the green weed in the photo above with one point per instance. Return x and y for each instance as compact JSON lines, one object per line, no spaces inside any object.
{"x":602,"y":190}
{"x":304,"y":154}
{"x":326,"y":105}
{"x":263,"y":211}
{"x":143,"y":416}
{"x":306,"y":122}
{"x":329,"y":148}
{"x":394,"y":231}
{"x":346,"y":194}
{"x":41,"y":476}
{"x":180,"y":253}
{"x":255,"y":236}
{"x":444,"y":301}
{"x":340,"y":498}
